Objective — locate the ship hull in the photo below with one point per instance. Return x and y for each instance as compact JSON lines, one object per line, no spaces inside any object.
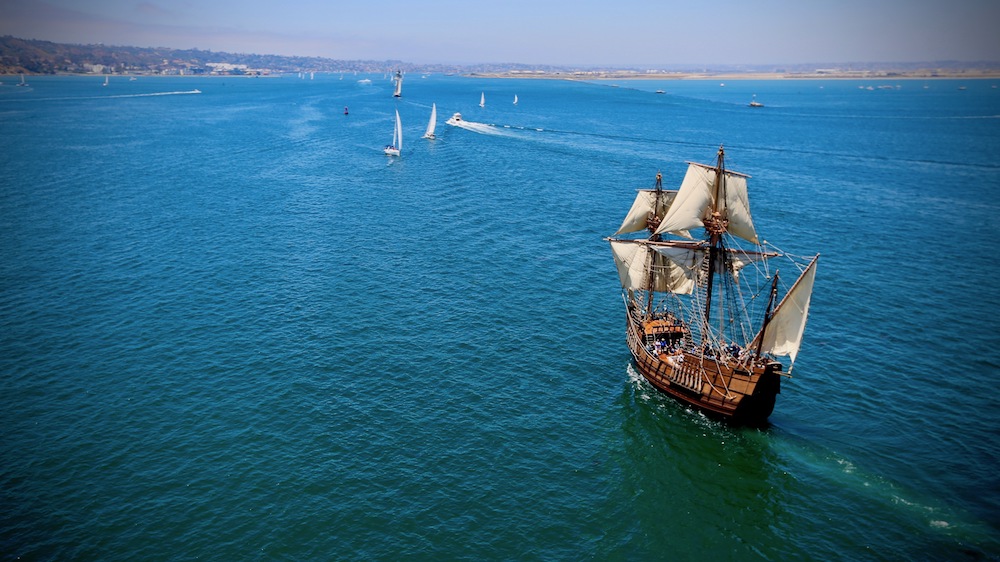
{"x":721,"y":388}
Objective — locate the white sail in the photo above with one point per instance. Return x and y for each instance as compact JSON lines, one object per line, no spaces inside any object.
{"x":399,"y":85}
{"x":397,"y":135}
{"x":515,"y":99}
{"x":678,"y":273}
{"x":643,"y":205}
{"x":735,"y":205}
{"x":429,"y":133}
{"x":695,"y":199}
{"x":631,"y":258}
{"x":692,"y":199}
{"x":396,"y":147}
{"x":675,"y":269}
{"x":482,"y":100}
{"x":784,"y":332}
{"x":668,"y":269}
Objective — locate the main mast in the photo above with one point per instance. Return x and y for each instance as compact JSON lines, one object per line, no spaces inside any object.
{"x":715,"y":226}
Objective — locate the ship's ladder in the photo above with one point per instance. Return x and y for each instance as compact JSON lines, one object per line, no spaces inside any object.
{"x":700,"y":293}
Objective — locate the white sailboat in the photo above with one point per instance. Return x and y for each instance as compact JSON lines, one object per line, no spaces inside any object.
{"x":398,"y":92}
{"x":429,"y":134}
{"x":482,"y":100}
{"x":515,"y":99}
{"x":397,"y":138}
{"x":105,"y":79}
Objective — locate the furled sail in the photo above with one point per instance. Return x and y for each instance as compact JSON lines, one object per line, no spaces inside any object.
{"x":783,"y":334}
{"x":695,"y":198}
{"x":738,"y":259}
{"x":644,"y":204}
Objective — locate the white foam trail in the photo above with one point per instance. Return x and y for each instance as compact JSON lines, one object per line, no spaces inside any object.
{"x":119,"y":96}
{"x":181,"y":93}
{"x":482,"y":128}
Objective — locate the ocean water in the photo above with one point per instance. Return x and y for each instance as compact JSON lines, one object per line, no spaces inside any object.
{"x":232,"y":329}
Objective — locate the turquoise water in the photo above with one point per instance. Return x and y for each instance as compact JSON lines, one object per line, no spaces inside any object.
{"x":231,"y":328}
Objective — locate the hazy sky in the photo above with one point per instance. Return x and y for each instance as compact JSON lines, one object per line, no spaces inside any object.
{"x":644,"y":33}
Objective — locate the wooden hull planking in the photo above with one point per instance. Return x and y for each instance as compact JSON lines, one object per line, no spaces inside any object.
{"x":717,"y":387}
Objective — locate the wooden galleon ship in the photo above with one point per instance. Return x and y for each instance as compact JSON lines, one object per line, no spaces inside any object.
{"x":708,"y":315}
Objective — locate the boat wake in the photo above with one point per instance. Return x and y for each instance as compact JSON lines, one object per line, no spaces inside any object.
{"x":641,"y":144}
{"x":153,"y":94}
{"x":815,"y":463}
{"x":482,"y":128}
{"x":118,"y":96}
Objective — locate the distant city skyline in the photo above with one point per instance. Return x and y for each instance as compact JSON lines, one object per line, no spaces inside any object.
{"x":637,"y":33}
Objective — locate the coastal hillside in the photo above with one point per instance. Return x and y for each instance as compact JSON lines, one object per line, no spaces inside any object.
{"x":33,"y":56}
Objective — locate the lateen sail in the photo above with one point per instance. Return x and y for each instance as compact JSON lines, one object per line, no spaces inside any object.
{"x":783,"y":334}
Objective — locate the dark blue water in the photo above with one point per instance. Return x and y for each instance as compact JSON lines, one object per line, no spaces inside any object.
{"x":231,"y":328}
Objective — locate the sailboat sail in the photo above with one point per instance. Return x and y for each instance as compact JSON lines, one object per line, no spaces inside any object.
{"x":398,"y":92}
{"x":429,"y":133}
{"x":700,"y":288}
{"x":482,"y":100}
{"x":397,"y":135}
{"x":397,"y":138}
{"x":515,"y":99}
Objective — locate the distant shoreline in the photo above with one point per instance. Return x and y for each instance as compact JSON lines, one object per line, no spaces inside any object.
{"x":833,"y":75}
{"x":583,"y":76}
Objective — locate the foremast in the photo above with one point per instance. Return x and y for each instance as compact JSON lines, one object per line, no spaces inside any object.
{"x":652,"y":222}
